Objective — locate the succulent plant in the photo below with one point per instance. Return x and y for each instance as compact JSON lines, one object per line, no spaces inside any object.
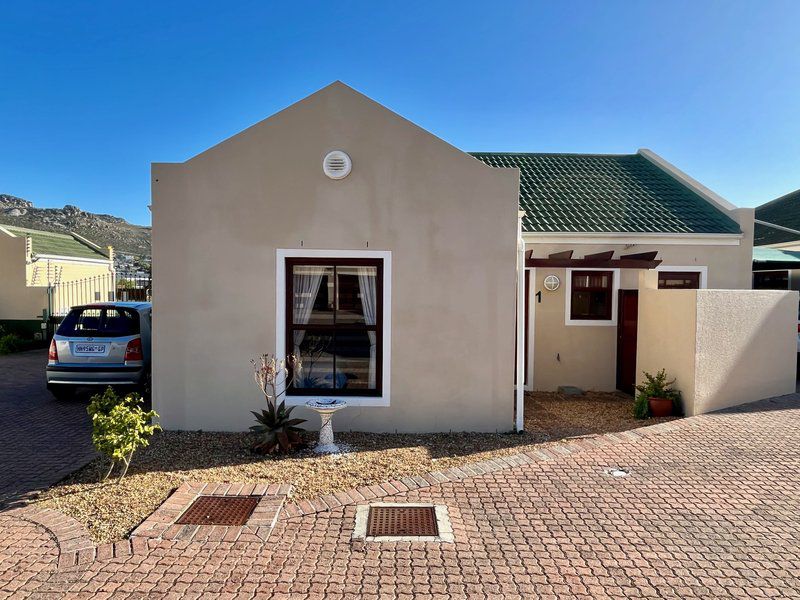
{"x":276,"y":430}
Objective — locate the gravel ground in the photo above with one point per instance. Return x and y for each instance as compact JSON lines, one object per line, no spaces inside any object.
{"x":110,"y":510}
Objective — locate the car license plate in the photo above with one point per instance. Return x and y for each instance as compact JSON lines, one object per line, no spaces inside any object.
{"x":90,"y":348}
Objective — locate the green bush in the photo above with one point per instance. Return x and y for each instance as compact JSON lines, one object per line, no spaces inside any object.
{"x":655,"y":386}
{"x":11,"y":342}
{"x":119,"y":427}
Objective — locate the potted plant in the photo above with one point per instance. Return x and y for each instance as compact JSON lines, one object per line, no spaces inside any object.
{"x":656,"y":397}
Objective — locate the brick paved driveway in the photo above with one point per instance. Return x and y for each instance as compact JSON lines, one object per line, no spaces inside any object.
{"x":41,"y":440}
{"x":711,"y":509}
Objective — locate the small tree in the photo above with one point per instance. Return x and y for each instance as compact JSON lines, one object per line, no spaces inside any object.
{"x":120,"y":427}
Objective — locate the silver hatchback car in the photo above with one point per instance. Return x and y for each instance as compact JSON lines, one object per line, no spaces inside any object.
{"x":101,"y":344}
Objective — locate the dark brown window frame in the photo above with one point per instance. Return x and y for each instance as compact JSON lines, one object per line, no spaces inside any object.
{"x":664,"y":275}
{"x":609,"y":290}
{"x":377,"y":328}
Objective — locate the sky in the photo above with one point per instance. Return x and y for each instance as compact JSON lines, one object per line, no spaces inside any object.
{"x":92,"y":92}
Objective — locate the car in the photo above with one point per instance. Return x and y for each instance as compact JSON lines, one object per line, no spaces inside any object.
{"x":101,"y":344}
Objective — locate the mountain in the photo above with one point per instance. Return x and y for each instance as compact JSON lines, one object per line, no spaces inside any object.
{"x":131,"y":242}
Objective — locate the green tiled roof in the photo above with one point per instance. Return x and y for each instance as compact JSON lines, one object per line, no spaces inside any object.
{"x":784,"y":211}
{"x":775,"y":255}
{"x":604,"y":193}
{"x":45,"y":242}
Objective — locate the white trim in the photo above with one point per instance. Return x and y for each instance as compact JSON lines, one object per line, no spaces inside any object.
{"x":281,"y":255}
{"x":531,"y":333}
{"x":612,"y":322}
{"x":702,"y":269}
{"x":627,"y":239}
{"x":690,"y":182}
{"x":89,"y":243}
{"x":519,"y":384}
{"x":778,"y":227}
{"x":94,"y":261}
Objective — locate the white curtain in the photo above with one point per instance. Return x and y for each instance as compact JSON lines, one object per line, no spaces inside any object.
{"x":306,"y":282}
{"x":367,"y":282}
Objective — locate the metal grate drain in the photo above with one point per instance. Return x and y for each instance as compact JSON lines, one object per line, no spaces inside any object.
{"x":395,"y":521}
{"x":219,"y":510}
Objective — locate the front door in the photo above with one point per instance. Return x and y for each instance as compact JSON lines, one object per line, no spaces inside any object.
{"x":627,"y":320}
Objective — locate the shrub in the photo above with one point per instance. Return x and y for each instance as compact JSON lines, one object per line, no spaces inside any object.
{"x":11,"y":342}
{"x":655,"y":386}
{"x":119,"y":427}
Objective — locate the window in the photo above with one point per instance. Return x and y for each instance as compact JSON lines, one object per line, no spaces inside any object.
{"x":99,"y":322}
{"x":679,"y":280}
{"x":591,"y":295}
{"x":334,"y":323}
{"x":771,"y":280}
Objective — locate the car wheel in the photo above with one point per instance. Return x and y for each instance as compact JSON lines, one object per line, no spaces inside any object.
{"x":62,"y":392}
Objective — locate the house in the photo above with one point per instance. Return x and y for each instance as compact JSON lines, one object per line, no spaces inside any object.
{"x":776,"y":255}
{"x":427,"y":286}
{"x":36,"y":268}
{"x":611,"y":206}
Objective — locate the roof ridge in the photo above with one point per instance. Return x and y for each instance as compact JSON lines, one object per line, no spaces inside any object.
{"x":780,"y":199}
{"x":38,"y":231}
{"x":583,"y":154}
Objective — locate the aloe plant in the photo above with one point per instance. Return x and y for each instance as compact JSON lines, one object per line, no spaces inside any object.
{"x":276,"y":430}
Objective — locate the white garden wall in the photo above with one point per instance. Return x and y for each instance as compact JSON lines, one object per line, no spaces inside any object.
{"x":723,"y":347}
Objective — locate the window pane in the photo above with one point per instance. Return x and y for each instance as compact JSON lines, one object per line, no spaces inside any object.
{"x":590,"y":280}
{"x":355,"y":359}
{"x":316,"y":351}
{"x":591,"y":305}
{"x":357,"y":288}
{"x":312,"y":287}
{"x":678,"y":280}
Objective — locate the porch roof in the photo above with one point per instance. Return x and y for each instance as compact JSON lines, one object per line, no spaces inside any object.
{"x":600,"y":260}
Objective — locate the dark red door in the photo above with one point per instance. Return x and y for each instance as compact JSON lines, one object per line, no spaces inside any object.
{"x":627,"y":320}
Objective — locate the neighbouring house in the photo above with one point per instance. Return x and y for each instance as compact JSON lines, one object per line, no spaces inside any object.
{"x":40,"y":270}
{"x":427,"y":286}
{"x":776,"y":255}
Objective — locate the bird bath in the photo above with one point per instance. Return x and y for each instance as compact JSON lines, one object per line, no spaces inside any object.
{"x":326,"y":407}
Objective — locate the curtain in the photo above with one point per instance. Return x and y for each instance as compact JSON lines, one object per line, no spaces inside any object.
{"x":367,"y":281}
{"x":306,"y":282}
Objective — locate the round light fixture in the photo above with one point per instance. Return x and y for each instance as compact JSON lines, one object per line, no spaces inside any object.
{"x":337,"y":164}
{"x":552,"y":283}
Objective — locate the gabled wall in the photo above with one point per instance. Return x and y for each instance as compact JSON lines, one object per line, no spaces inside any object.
{"x":17,"y":300}
{"x":449,"y":221}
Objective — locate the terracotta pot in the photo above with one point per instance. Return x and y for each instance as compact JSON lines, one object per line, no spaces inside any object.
{"x":660,"y":407}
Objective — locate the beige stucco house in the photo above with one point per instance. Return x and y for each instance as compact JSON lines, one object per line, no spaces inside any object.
{"x":425,"y":285}
{"x":34,"y":264}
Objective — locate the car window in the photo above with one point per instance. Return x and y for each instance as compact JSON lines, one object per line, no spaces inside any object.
{"x":99,"y":322}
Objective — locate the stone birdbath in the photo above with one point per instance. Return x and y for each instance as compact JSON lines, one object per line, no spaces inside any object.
{"x":326,"y":407}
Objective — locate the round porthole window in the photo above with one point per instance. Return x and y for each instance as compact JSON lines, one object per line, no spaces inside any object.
{"x":337,"y":164}
{"x":552,"y":283}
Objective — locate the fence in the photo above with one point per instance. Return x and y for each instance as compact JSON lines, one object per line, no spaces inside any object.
{"x":102,"y":288}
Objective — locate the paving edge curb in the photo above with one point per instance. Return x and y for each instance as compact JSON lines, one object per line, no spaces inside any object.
{"x":395,"y":487}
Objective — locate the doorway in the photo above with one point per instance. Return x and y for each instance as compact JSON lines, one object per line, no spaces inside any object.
{"x":627,"y":324}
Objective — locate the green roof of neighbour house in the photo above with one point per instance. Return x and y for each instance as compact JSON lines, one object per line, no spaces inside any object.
{"x":59,"y":244}
{"x":783,"y":211}
{"x":606,"y":193}
{"x":767,"y":255}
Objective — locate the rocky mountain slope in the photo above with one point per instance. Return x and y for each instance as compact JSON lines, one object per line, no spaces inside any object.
{"x":131,"y":242}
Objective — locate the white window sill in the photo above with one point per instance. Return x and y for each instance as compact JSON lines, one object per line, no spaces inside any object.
{"x":592,"y":323}
{"x":350,"y":400}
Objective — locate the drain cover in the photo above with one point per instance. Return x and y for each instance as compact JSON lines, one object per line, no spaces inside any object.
{"x":402,"y":521}
{"x":219,"y":510}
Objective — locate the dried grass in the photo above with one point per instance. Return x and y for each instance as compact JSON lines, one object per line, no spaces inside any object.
{"x":110,"y":511}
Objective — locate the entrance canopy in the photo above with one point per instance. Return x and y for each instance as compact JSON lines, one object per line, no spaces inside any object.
{"x":600,"y":260}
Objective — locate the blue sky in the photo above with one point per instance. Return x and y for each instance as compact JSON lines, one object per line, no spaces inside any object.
{"x":92,"y":92}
